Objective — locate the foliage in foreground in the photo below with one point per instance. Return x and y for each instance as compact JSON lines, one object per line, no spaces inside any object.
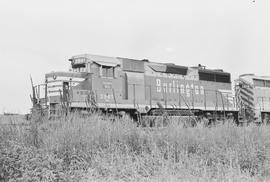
{"x":106,"y":149}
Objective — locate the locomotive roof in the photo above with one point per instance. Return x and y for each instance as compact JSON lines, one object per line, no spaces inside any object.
{"x":159,"y":67}
{"x":252,"y":76}
{"x":102,"y":60}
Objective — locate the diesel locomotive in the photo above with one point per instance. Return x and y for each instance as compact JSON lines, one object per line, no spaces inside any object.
{"x":137,"y":87}
{"x":253,"y":97}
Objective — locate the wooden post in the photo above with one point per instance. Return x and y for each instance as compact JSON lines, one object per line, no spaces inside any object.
{"x":179,"y":97}
{"x":166,"y":98}
{"x":216,"y":108}
{"x":216,"y":101}
{"x":205,"y":99}
{"x":223,"y":106}
{"x":263,"y":103}
{"x":38,"y":92}
{"x":228,"y":102}
{"x":150,"y":95}
{"x":134,"y":96}
{"x":46,"y":94}
{"x":163,"y":95}
{"x":115,"y":101}
{"x":192,"y":97}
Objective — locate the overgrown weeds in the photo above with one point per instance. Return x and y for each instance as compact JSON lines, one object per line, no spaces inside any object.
{"x":112,"y":149}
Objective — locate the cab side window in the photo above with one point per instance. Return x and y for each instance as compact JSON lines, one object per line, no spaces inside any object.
{"x":107,"y":71}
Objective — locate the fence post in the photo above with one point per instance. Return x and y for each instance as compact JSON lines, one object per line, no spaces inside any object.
{"x":263,"y":103}
{"x":115,"y":101}
{"x":216,"y":101}
{"x":205,"y":99}
{"x":179,"y":95}
{"x":150,"y":95}
{"x":192,"y":94}
{"x":228,"y":102}
{"x":134,"y":99}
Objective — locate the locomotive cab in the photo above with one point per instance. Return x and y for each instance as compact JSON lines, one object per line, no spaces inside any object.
{"x":91,"y":79}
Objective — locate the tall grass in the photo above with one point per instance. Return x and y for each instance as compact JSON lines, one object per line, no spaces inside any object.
{"x":99,"y":148}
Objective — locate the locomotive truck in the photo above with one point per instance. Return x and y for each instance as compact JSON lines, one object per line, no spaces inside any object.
{"x":137,"y":87}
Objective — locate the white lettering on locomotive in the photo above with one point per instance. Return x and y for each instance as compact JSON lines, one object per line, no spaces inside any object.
{"x":107,"y":97}
{"x":175,"y":87}
{"x":165,"y":87}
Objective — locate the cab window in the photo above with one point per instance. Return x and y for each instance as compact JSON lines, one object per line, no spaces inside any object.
{"x":79,"y":68}
{"x":107,"y":71}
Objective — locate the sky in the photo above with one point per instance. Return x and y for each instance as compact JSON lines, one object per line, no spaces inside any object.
{"x":37,"y":37}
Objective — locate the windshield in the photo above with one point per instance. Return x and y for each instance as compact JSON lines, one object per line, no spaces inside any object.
{"x":79,"y":68}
